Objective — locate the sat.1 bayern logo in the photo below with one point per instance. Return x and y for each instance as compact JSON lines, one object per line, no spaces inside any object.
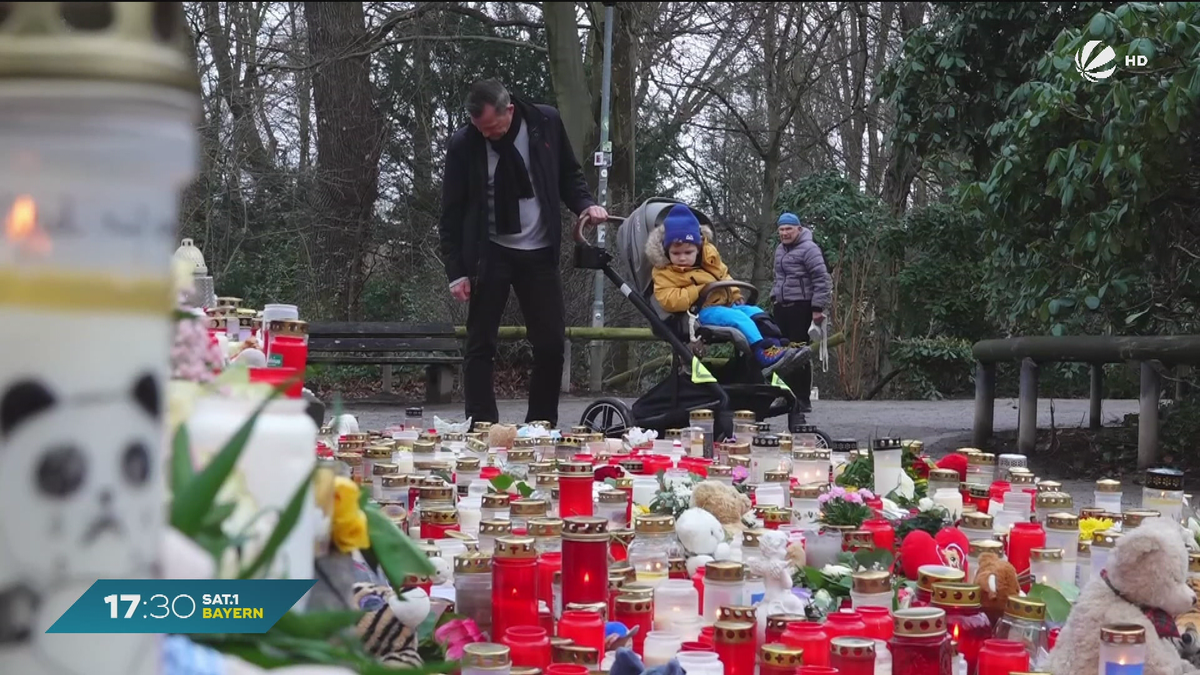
{"x":1096,"y":66}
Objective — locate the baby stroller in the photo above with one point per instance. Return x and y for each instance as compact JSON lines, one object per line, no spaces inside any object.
{"x":738,"y":385}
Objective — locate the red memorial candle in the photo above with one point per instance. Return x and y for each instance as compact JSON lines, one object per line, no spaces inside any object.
{"x":811,"y":638}
{"x":585,"y":560}
{"x":514,"y":584}
{"x":635,"y":612}
{"x":966,"y":622}
{"x":883,"y":532}
{"x":1022,"y":539}
{"x":1001,"y":657}
{"x":734,"y":642}
{"x":920,"y":644}
{"x":777,"y":625}
{"x":529,"y":646}
{"x":583,"y":628}
{"x":852,"y":656}
{"x":575,"y":481}
{"x":547,"y":564}
{"x":878,"y":621}
{"x":437,"y":521}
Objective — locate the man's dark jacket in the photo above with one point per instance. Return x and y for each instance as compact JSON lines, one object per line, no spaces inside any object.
{"x":555,"y":174}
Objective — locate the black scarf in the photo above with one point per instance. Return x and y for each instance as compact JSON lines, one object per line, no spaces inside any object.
{"x":512,"y":178}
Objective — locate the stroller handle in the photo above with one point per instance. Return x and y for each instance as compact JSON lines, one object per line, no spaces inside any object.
{"x":750,"y":290}
{"x":584,"y":220}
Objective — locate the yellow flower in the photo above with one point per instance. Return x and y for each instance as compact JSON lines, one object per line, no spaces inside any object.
{"x":323,"y":482}
{"x":349,"y":528}
{"x":1090,"y":526}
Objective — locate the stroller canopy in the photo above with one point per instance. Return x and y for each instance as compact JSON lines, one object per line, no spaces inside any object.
{"x":631,"y":243}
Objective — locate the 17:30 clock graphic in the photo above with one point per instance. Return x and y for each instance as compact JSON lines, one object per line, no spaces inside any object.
{"x":168,"y":606}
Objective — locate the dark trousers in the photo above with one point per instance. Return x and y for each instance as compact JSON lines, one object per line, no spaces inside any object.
{"x":534,"y":276}
{"x":794,"y":319}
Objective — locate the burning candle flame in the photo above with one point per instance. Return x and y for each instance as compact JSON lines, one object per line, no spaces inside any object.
{"x":21,"y":226}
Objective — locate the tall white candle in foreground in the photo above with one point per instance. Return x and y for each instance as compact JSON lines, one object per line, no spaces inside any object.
{"x":97,"y":130}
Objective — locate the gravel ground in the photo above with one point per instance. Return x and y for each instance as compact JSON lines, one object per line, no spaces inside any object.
{"x":942,"y":425}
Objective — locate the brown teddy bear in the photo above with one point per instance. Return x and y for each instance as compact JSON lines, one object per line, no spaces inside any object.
{"x":724,"y":502}
{"x":1144,"y":584}
{"x":501,"y":436}
{"x":997,"y":579}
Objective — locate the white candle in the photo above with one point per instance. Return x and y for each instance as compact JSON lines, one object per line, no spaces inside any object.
{"x":887,"y":455}
{"x":404,"y":460}
{"x":1122,"y":650}
{"x":660,"y":647}
{"x":951,"y":500}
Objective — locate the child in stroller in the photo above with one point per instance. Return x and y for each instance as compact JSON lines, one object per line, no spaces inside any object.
{"x":685,"y":260}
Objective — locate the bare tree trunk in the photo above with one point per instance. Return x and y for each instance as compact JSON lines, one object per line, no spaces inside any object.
{"x":905,"y":163}
{"x":573,"y":98}
{"x":303,"y":83}
{"x":349,"y":143}
{"x":875,"y":160}
{"x":245,"y":141}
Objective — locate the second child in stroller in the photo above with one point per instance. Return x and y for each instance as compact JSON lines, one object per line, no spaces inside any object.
{"x":685,"y":260}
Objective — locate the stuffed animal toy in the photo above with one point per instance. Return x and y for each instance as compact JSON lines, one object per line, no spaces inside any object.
{"x":997,"y":579}
{"x":724,"y":502}
{"x":626,"y":662}
{"x":703,"y":538}
{"x":1144,"y":583}
{"x":501,"y":435}
{"x":389,"y":628}
{"x":1189,"y":637}
{"x":955,"y":462}
{"x":919,"y":549}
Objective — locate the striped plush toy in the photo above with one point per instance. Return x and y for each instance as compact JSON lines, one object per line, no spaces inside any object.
{"x":389,"y":628}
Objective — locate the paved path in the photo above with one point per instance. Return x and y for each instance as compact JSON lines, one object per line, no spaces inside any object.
{"x":942,"y":425}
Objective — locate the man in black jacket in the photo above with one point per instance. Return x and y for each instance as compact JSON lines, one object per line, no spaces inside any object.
{"x":505,"y":174}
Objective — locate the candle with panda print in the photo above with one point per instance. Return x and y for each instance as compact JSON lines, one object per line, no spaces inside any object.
{"x":98,"y":110}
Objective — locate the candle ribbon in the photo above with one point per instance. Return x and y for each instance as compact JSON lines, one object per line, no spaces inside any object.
{"x":1163,"y":624}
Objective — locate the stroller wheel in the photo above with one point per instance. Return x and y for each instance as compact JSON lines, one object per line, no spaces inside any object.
{"x":609,"y":416}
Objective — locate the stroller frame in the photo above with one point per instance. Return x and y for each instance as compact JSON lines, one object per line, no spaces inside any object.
{"x":612,"y":416}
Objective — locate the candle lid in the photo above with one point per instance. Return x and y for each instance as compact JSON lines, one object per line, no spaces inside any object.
{"x":515,"y":548}
{"x":776,"y":476}
{"x":733,"y":632}
{"x":885,"y":444}
{"x":545,"y":527}
{"x":859,"y":539}
{"x":520,"y":456}
{"x":762,"y":427}
{"x":1084,"y":549}
{"x":852,"y":647}
{"x":613,"y":496}
{"x":576,"y":469}
{"x":351,"y":458}
{"x":723,"y":571}
{"x":978,"y":491}
{"x":750,"y":537}
{"x":438,"y":493}
{"x":467,"y":464}
{"x":441,"y":515}
{"x":1123,"y":634}
{"x":472,"y":563}
{"x":777,"y":516}
{"x":720,"y":471}
{"x":844,"y":445}
{"x":779,"y":622}
{"x":576,"y":654}
{"x":810,"y":491}
{"x":745,"y":415}
{"x":581,"y":429}
{"x":781,"y":656}
{"x":634,"y":605}
{"x":1091,"y":512}
{"x":585,"y":528}
{"x":1011,"y":460}
{"x":528,"y":508}
{"x":1134,"y":517}
{"x":1024,"y":608}
{"x":545,"y":480}
{"x":393,"y":480}
{"x":978,"y":521}
{"x":766,"y":441}
{"x":943,"y":475}
{"x":1116,"y":518}
{"x":521,"y":670}
{"x":738,"y":613}
{"x":804,"y":429}
{"x":740,"y":460}
{"x":928,"y":575}
{"x":380,"y":451}
{"x":1105,"y":539}
{"x":560,"y":641}
{"x":638,"y":589}
{"x":980,"y":546}
{"x":919,"y":622}
{"x":616,"y":579}
{"x":494,"y":500}
{"x":624,"y":537}
{"x":1041,"y":554}
{"x":1164,"y":479}
{"x":702,"y":414}
{"x":1021,"y":478}
{"x":486,"y":655}
{"x":877,"y":581}
{"x":947,"y":594}
{"x":1053,"y":500}
{"x":625,"y":483}
{"x":632,"y":465}
{"x":422,"y":447}
{"x":1108,"y":485}
{"x":653,"y":524}
{"x":1062,"y":521}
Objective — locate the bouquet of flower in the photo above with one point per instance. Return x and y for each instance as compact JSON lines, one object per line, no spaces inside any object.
{"x":842,"y":506}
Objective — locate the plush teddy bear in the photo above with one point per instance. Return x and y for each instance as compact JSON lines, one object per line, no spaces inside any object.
{"x":702,"y":537}
{"x":1145,"y":584}
{"x":389,"y":628}
{"x":997,"y":579}
{"x":724,"y":502}
{"x":501,"y":435}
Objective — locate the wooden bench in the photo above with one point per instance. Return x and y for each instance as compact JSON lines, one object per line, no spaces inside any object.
{"x":388,"y":344}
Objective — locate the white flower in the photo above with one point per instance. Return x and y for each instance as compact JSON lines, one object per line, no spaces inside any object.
{"x":926,"y":504}
{"x":907,"y":488}
{"x":823,"y":600}
{"x":835,"y":570}
{"x":892,"y":510}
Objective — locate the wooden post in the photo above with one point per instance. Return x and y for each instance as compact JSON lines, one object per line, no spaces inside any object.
{"x":387,"y":378}
{"x":1027,"y":411}
{"x":1151,"y":390}
{"x":566,"y":375}
{"x":1096,"y":395}
{"x":985,"y":402}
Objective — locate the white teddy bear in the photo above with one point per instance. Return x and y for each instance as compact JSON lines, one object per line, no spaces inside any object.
{"x":702,"y":537}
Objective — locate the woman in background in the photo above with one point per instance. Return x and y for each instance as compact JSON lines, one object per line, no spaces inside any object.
{"x":802,"y":291}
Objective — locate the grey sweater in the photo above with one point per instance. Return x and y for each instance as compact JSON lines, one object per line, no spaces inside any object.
{"x":800,"y":273}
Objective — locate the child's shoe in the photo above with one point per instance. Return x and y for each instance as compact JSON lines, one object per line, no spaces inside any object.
{"x":773,"y":358}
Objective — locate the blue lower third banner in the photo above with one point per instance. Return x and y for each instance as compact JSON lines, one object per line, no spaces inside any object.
{"x":181,"y":606}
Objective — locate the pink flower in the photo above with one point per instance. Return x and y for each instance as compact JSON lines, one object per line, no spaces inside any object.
{"x":866,"y":494}
{"x":823,"y":497}
{"x":853,"y":497}
{"x":456,"y":634}
{"x":740,"y":473}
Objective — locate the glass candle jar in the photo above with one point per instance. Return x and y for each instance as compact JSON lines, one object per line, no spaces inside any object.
{"x":654,"y":544}
{"x":1108,"y":495}
{"x":778,"y":659}
{"x":1062,"y":531}
{"x":871,"y":589}
{"x":977,"y":526}
{"x":702,"y":420}
{"x":529,"y":646}
{"x":981,"y":468}
{"x":612,"y":506}
{"x":808,"y":468}
{"x":777,"y":625}
{"x":887,"y":458}
{"x":977,"y":548}
{"x":735,"y":644}
{"x":1122,"y":649}
{"x":1132,"y":519}
{"x":583,"y":628}
{"x":700,"y":662}
{"x":764,"y":457}
{"x":1023,"y":538}
{"x":809,"y":637}
{"x":489,"y":530}
{"x":393,"y":488}
{"x":1102,"y":546}
{"x":486,"y":658}
{"x":1052,"y":502}
{"x":920,"y":644}
{"x":942,"y":478}
{"x":437,"y":521}
{"x":721,"y":473}
{"x":1048,"y":567}
{"x":1002,"y":657}
{"x":1024,"y":621}
{"x":644,"y":490}
{"x":567,"y":447}
{"x":635,"y":612}
{"x":379,"y":471}
{"x":575,"y":480}
{"x":674,"y":598}
{"x":825,"y":547}
{"x":466,"y":470}
{"x":928,"y":575}
{"x":845,"y":623}
{"x":951,"y":500}
{"x":966,"y":621}
{"x":1083,"y":564}
{"x":546,"y":533}
{"x":514,"y":584}
{"x":1163,"y":492}
{"x":414,"y":419}
{"x":585,"y":560}
{"x":724,"y":585}
{"x":659,"y":648}
{"x":521,"y":510}
{"x":548,"y":564}
{"x":473,"y":588}
{"x":852,"y":656}
{"x":878,"y":621}
{"x":565,"y":652}
{"x":774,"y":490}
{"x":806,"y":509}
